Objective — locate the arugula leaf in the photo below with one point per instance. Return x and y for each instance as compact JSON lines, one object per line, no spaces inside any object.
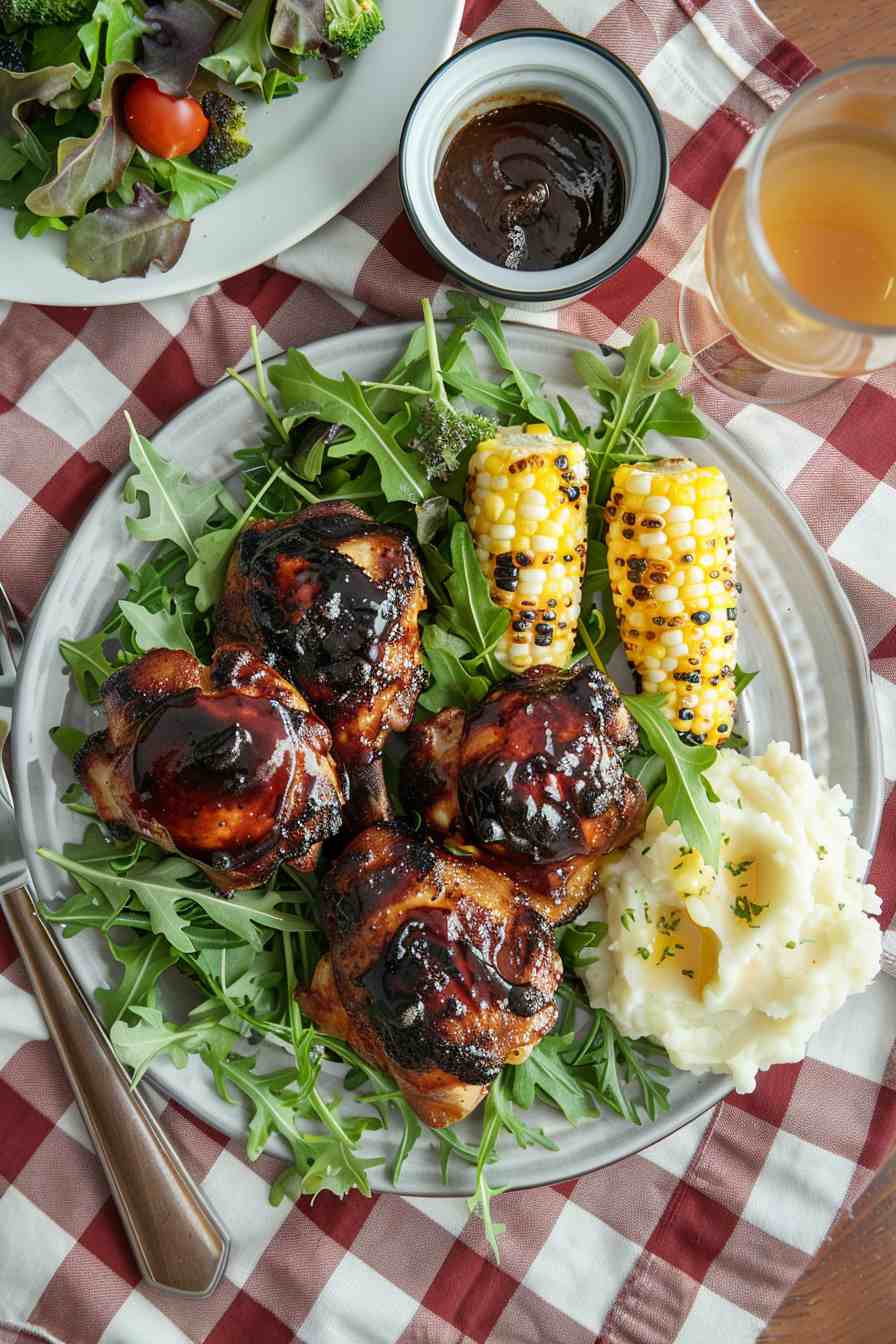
{"x":546,"y":1073}
{"x":163,"y":629}
{"x":472,"y":614}
{"x":68,"y":740}
{"x":642,"y":396}
{"x":432,"y":516}
{"x":485,"y":318}
{"x":479,"y":392}
{"x":173,"y":508}
{"x":480,"y":1202}
{"x":574,"y":941}
{"x":78,"y":800}
{"x":144,"y":960}
{"x":687,"y":796}
{"x":89,"y":664}
{"x":213,"y":549}
{"x":341,"y":402}
{"x":159,"y":887}
{"x":452,"y":683}
{"x":138,"y":1044}
{"x":83,"y":909}
{"x":606,"y":1063}
{"x":241,"y":911}
{"x":742,"y":679}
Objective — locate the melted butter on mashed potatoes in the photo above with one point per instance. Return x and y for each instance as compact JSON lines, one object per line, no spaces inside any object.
{"x":735,"y":970}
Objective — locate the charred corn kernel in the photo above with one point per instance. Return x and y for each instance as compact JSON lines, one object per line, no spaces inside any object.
{"x":676,"y":598}
{"x":526,"y":504}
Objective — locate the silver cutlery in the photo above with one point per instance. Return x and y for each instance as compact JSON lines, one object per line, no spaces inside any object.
{"x":178,"y":1241}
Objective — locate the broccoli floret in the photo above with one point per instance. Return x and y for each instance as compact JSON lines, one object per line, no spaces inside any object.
{"x":226,"y":142}
{"x":442,"y":435}
{"x":17,"y":13}
{"x":11,"y":56}
{"x":353,"y":24}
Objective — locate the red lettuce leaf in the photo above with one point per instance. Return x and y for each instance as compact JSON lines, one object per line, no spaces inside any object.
{"x":301,"y":27}
{"x":125,"y":241}
{"x":17,"y":90}
{"x":181,"y":33}
{"x":87,"y":166}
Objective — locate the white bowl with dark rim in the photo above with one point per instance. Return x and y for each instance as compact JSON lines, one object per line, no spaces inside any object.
{"x":546,"y":66}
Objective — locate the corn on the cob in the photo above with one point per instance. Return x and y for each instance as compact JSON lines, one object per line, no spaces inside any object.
{"x":526,"y":504}
{"x":670,"y":552}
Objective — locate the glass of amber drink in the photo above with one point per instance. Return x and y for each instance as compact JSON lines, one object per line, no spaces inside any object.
{"x":796,"y":284}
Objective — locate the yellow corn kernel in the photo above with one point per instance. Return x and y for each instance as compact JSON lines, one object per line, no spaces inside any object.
{"x":676,"y":600}
{"x":534,"y":548}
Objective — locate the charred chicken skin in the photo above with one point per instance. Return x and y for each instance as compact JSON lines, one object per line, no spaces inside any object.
{"x":436,"y":973}
{"x":533,"y":779}
{"x":331,"y":599}
{"x":226,"y":764}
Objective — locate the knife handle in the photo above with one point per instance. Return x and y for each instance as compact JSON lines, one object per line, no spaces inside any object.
{"x":179,"y":1245}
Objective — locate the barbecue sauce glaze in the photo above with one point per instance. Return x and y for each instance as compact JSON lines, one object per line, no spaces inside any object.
{"x":531,"y":186}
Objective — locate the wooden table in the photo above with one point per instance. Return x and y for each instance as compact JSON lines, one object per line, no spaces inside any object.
{"x":848,"y":1295}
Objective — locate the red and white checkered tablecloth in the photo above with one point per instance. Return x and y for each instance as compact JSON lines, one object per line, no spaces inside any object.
{"x":700,"y":1236}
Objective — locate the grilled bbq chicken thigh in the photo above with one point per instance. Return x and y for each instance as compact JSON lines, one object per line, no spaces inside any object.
{"x":331,"y":599}
{"x":533,"y":780}
{"x":436,"y":973}
{"x":226,"y":764}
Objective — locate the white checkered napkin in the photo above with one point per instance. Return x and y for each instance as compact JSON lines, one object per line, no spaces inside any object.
{"x":701,"y":1236}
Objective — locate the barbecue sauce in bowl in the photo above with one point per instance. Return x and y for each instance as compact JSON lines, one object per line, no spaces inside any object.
{"x":531,"y":186}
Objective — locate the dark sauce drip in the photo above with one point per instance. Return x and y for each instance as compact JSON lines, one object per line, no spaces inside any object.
{"x":552,"y":768}
{"x":435,"y":969}
{"x":531,"y":186}
{"x":324,"y":618}
{"x":214,"y":771}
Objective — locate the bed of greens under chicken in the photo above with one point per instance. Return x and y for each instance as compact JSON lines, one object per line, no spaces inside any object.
{"x":400,"y":450}
{"x":119,"y":120}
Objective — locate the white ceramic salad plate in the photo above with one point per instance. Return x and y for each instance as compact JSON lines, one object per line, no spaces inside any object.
{"x":312,"y":154}
{"x":796,"y":627}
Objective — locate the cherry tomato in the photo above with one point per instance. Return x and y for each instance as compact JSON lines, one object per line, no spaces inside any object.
{"x":162,"y":124}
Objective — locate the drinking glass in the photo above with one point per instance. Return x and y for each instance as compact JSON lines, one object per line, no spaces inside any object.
{"x":796,"y":284}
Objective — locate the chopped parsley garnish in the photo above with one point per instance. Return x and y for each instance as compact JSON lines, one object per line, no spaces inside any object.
{"x":689,"y":974}
{"x":643,"y":953}
{"x":627,"y":918}
{"x":737,"y":869}
{"x":746,"y":910}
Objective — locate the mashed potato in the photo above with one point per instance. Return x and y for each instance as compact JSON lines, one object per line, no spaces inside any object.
{"x":735,"y":970}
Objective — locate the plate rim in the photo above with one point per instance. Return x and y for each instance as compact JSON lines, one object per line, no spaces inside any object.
{"x":715,"y":1092}
{"x":105,"y":297}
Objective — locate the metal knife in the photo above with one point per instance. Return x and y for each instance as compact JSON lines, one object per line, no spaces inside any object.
{"x":179,"y":1243}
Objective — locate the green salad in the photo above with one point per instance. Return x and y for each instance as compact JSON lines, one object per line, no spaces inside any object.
{"x":120,"y":120}
{"x":247,"y":952}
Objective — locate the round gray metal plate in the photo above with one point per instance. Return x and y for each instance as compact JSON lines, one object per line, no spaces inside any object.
{"x":796,"y":626}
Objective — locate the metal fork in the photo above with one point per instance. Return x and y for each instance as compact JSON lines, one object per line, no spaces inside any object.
{"x":177,"y":1240}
